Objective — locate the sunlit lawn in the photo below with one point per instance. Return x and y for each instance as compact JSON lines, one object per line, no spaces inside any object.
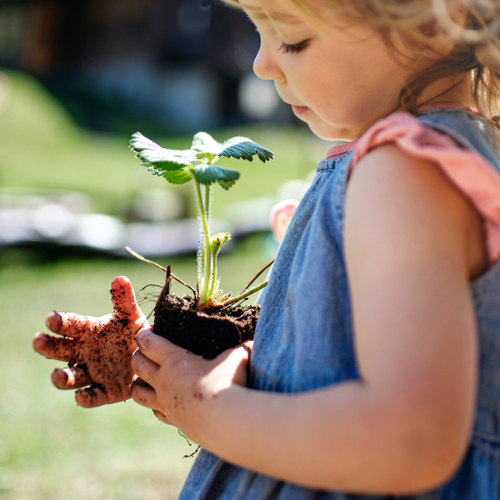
{"x":50,"y":448}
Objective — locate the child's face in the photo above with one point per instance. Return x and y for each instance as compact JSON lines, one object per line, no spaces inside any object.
{"x":338,"y":82}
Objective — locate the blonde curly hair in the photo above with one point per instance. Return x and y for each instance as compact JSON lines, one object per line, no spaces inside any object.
{"x":424,"y":23}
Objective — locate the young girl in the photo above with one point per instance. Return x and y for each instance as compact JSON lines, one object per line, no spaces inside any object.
{"x":376,"y":364}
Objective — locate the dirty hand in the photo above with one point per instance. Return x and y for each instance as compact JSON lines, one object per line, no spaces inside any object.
{"x":98,"y":350}
{"x":180,"y":386}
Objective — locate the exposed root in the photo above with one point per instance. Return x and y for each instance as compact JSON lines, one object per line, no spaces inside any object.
{"x":191,"y":455}
{"x":143,"y":259}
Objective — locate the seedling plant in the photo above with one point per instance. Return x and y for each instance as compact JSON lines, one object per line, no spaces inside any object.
{"x":197,"y":164}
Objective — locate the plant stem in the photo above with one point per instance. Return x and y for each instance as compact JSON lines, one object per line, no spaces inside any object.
{"x":210,"y":274}
{"x":257,"y":275}
{"x":204,"y":277}
{"x":213,"y":273}
{"x":246,"y":294}
{"x":207,"y":202}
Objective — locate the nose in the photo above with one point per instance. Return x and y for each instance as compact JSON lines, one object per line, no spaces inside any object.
{"x":265,"y":66}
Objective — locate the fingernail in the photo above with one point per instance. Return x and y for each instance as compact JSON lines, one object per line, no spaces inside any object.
{"x":40,"y":342}
{"x":59,"y":377}
{"x":142,"y":333}
{"x":53,"y":321}
{"x":138,"y":338}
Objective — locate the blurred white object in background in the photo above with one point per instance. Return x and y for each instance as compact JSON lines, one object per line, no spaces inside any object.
{"x":53,"y":220}
{"x":15,"y":225}
{"x":257,"y":98}
{"x":157,"y":205}
{"x":101,"y":231}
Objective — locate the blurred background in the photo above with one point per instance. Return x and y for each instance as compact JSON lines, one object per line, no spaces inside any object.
{"x":77,"y":78}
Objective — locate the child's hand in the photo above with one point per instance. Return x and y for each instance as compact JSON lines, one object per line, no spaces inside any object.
{"x":98,"y":350}
{"x":178,"y":385}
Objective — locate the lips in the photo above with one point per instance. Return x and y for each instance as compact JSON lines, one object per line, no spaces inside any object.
{"x":299,"y":110}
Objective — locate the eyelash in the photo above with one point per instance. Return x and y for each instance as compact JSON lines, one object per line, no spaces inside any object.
{"x":295,"y":47}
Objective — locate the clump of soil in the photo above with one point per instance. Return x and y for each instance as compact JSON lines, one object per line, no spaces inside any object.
{"x":208,"y":332}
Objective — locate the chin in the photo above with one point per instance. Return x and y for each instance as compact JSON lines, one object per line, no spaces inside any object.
{"x":329,"y":131}
{"x":331,"y":134}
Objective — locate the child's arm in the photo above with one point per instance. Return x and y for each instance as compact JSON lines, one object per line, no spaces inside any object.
{"x":98,"y":350}
{"x":412,"y":243}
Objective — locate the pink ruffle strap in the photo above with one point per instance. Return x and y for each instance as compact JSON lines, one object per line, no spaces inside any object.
{"x":468,"y":170}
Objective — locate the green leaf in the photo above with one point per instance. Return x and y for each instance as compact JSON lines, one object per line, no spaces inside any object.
{"x":177,"y":176}
{"x":161,"y":158}
{"x":167,"y":159}
{"x":206,"y":174}
{"x":237,"y":147}
{"x":209,"y":157}
{"x":217,"y":240}
{"x":225,"y":184}
{"x":207,"y":147}
{"x":205,"y":143}
{"x":242,"y":147}
{"x":138,"y":142}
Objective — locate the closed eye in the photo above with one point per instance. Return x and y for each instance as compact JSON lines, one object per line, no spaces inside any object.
{"x":294,"y":47}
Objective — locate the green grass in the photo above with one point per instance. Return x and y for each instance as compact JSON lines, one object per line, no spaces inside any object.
{"x":49,"y":447}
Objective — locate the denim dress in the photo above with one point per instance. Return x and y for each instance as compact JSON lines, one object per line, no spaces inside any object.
{"x":304,"y":335}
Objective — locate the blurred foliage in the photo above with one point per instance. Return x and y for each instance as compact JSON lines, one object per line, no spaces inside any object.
{"x":42,"y":148}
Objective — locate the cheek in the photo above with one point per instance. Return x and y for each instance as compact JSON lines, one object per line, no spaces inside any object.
{"x":315,"y":85}
{"x":330,"y":75}
{"x":356,"y":82}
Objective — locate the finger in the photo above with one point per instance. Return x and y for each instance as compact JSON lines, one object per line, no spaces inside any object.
{"x":91,"y":397}
{"x":71,"y":324}
{"x":61,"y":349}
{"x":238,"y":358}
{"x":144,"y":367}
{"x":123,"y":298}
{"x":70,"y":378}
{"x":241,"y":352}
{"x":245,"y":351}
{"x":154,"y":347}
{"x":144,"y":394}
{"x":248,"y":346}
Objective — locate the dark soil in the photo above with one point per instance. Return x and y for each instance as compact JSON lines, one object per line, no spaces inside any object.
{"x":207,"y":333}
